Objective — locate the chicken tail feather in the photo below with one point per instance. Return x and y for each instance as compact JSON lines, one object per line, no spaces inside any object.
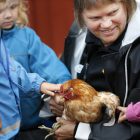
{"x":111,"y":122}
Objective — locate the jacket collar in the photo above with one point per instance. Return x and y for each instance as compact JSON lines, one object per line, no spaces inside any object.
{"x":133,"y":30}
{"x":94,"y":41}
{"x":9,"y":32}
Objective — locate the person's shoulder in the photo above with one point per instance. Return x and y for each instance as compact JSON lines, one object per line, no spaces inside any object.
{"x":28,"y":30}
{"x":25,"y":33}
{"x":74,"y":29}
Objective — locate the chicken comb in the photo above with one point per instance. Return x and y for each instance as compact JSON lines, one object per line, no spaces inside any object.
{"x":67,"y":94}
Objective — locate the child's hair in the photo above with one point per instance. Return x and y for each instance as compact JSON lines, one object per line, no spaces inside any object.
{"x":22,"y":19}
{"x":22,"y":15}
{"x":80,"y":5}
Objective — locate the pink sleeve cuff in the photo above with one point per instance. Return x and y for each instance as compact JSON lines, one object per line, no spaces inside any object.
{"x":133,"y":112}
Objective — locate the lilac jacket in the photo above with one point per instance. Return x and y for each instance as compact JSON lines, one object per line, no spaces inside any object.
{"x":133,"y":112}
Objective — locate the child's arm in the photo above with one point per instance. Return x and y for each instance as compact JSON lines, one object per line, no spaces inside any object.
{"x":30,"y":83}
{"x":130,"y":113}
{"x":133,"y":112}
{"x":49,"y":88}
{"x":44,"y":61}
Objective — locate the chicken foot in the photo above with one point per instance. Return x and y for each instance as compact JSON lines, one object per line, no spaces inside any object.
{"x":50,"y":130}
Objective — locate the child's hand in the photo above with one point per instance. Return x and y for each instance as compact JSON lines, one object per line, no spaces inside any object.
{"x":48,"y":88}
{"x":122,"y":116}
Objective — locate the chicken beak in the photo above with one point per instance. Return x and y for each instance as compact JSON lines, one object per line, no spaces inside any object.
{"x":61,"y":89}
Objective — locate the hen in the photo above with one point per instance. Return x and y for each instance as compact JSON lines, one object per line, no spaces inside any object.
{"x":82,"y":103}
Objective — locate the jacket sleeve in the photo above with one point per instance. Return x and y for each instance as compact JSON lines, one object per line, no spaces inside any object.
{"x":97,"y":131}
{"x":133,"y":112}
{"x":84,"y":129}
{"x":119,"y":131}
{"x":69,"y":46}
{"x":44,"y":61}
{"x":27,"y":82}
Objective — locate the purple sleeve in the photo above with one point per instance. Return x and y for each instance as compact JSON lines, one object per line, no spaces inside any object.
{"x":133,"y":112}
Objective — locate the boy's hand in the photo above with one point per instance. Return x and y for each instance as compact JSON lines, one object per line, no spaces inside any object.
{"x":48,"y":88}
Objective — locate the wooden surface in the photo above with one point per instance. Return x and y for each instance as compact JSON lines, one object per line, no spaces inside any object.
{"x":52,"y":19}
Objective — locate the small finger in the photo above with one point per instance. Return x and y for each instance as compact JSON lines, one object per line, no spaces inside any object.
{"x":121,"y":118}
{"x":49,"y":93}
{"x":120,"y":108}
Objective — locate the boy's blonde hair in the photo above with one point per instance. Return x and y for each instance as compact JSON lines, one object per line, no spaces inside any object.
{"x":80,"y":5}
{"x":22,"y":15}
{"x":22,"y":18}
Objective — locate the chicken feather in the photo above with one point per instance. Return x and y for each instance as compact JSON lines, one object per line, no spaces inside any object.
{"x":82,"y":103}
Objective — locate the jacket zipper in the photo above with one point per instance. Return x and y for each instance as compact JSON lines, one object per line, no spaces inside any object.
{"x":85,"y":73}
{"x":126,"y":76}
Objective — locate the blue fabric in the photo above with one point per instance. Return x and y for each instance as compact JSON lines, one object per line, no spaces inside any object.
{"x":12,"y":77}
{"x":9,"y":99}
{"x":49,"y":122}
{"x":27,"y":48}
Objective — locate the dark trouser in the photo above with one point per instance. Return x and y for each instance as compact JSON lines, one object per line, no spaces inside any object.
{"x":33,"y":134}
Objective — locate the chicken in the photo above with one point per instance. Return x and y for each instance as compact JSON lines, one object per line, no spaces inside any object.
{"x":82,"y":103}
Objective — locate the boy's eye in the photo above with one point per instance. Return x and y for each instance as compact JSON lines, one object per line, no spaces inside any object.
{"x":13,"y":6}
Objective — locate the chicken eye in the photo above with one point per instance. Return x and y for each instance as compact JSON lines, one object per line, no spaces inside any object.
{"x":71,"y":89}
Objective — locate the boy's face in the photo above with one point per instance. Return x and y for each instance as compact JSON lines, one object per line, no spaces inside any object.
{"x":106,"y":21}
{"x":8,"y":13}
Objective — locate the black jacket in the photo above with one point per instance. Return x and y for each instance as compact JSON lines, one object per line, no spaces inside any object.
{"x":119,"y":73}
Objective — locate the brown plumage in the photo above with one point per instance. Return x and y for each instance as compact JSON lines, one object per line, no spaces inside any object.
{"x":82,"y":103}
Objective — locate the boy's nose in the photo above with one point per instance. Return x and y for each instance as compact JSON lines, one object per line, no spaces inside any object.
{"x":7,"y":13}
